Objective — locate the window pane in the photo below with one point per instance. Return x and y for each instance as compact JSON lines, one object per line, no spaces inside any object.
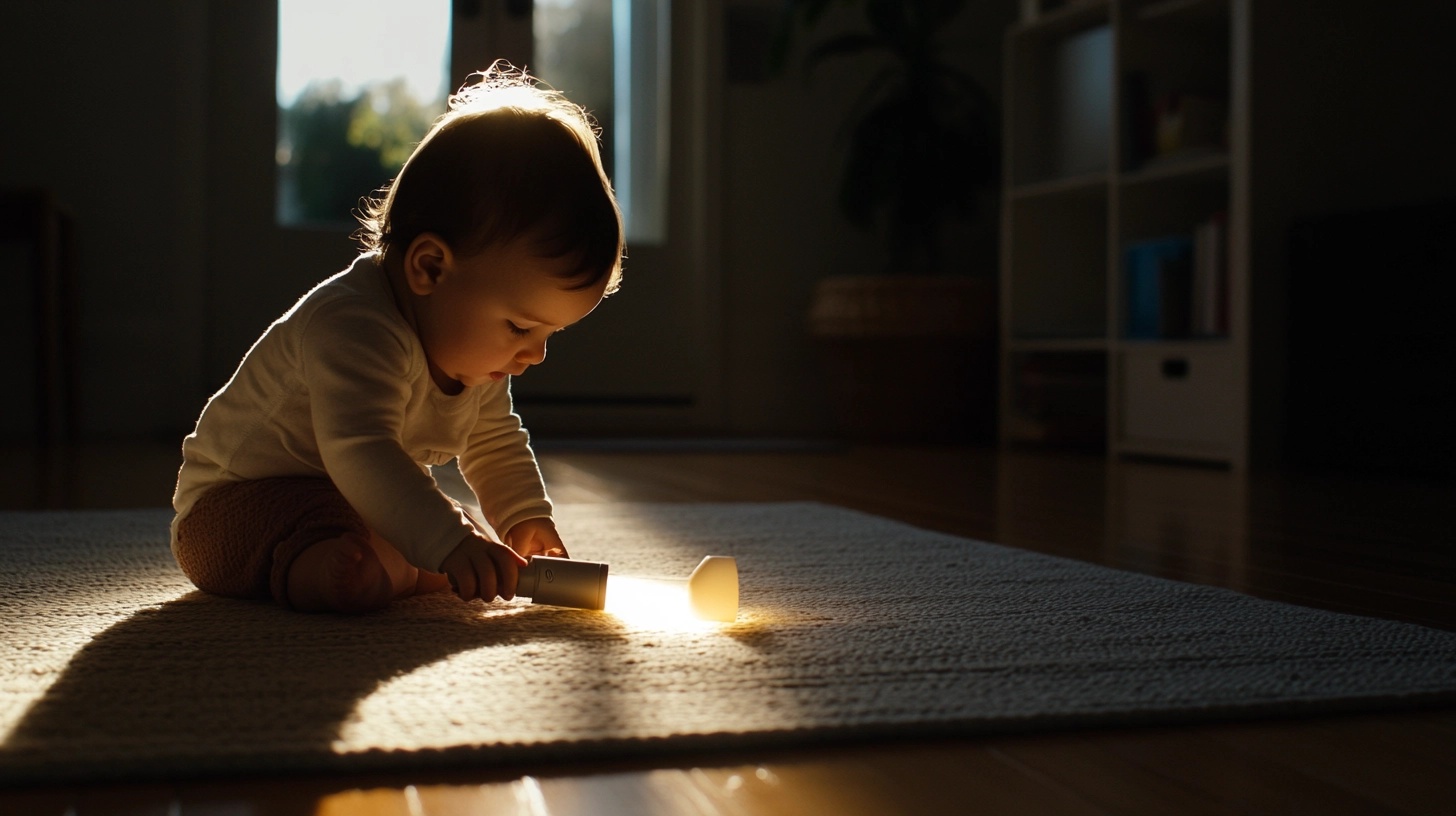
{"x":359,"y":82}
{"x":610,"y":56}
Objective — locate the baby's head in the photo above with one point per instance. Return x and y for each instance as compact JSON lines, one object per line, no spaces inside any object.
{"x":510,"y":162}
{"x":500,"y":230}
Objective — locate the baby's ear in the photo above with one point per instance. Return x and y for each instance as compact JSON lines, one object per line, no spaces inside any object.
{"x":425,"y":261}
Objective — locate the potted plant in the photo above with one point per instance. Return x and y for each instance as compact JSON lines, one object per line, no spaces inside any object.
{"x":910,"y":347}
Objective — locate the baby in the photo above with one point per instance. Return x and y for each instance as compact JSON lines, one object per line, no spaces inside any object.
{"x":306,"y":479}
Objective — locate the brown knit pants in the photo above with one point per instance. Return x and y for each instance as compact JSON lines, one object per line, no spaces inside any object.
{"x":240,"y":538}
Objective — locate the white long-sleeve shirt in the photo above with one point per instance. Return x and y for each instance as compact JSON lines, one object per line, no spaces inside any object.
{"x":339,"y":387}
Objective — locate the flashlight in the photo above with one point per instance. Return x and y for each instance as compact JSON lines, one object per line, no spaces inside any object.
{"x":564,"y":582}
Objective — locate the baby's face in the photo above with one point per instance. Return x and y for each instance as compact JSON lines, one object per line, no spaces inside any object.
{"x":491,"y":314}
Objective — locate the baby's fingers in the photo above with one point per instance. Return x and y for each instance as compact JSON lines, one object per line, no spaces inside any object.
{"x":548,"y":546}
{"x":485,"y":576}
{"x":507,"y":570}
{"x":464,"y":583}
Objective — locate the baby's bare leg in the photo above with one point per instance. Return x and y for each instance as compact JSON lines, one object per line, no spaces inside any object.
{"x":403,"y":576}
{"x":341,"y":574}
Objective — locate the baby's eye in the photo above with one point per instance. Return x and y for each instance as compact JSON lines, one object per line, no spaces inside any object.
{"x":517,"y":330}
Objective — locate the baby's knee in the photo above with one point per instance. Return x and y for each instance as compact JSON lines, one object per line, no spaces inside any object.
{"x":338,"y":574}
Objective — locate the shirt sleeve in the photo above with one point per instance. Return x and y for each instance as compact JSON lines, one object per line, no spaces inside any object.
{"x":500,"y":467}
{"x":358,"y":368}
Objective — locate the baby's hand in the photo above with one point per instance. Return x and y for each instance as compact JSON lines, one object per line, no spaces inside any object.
{"x":481,"y":568}
{"x":536,"y":536}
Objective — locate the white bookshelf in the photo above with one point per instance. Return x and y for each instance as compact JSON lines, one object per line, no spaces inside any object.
{"x":1078,"y":194}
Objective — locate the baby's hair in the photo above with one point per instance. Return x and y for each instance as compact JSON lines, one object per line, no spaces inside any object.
{"x":510,"y":159}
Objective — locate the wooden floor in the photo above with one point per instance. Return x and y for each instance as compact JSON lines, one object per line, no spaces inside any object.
{"x":1368,"y":546}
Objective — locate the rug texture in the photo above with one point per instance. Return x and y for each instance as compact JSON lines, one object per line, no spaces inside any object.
{"x":113,"y":666}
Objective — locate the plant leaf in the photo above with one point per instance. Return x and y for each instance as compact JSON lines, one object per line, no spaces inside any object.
{"x":934,"y":14}
{"x":867,"y":99}
{"x":964,"y":83}
{"x":794,"y":14}
{"x":887,"y":18}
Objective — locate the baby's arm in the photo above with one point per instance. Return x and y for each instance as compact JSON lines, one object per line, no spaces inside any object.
{"x":359,"y":371}
{"x":501,"y":469}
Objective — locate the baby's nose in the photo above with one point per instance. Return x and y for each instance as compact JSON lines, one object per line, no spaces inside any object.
{"x":533,"y":354}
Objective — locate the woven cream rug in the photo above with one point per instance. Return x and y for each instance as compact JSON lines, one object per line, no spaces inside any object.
{"x":852,"y":626}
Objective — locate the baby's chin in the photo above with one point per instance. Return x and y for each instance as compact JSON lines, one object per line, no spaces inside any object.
{"x":471,"y":382}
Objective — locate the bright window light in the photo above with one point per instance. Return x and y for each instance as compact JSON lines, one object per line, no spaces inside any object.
{"x":611,"y":57}
{"x":358,"y":84}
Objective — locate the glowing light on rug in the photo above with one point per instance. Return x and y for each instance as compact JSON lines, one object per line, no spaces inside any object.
{"x":652,"y":602}
{"x":708,"y":597}
{"x":709,"y":594}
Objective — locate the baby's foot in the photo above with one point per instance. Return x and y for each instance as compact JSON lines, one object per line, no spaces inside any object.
{"x":338,"y":575}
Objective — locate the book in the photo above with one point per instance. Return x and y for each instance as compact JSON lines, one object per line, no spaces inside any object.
{"x":1209,"y":304}
{"x":1159,"y":275}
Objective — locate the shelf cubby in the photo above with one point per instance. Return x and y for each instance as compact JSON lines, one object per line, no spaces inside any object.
{"x":1058,"y":245}
{"x":1090,"y":175}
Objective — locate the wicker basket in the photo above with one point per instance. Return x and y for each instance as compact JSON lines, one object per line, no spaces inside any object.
{"x":914,"y":305}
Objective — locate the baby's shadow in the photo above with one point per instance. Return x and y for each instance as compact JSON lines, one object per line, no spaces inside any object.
{"x":202,"y":685}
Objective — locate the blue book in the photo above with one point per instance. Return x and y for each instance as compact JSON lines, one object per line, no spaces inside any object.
{"x":1159,"y":281}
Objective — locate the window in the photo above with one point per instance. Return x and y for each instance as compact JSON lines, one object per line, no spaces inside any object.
{"x":611,"y":57}
{"x":359,"y":82}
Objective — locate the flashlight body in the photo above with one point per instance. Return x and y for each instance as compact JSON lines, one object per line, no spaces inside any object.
{"x":564,"y":582}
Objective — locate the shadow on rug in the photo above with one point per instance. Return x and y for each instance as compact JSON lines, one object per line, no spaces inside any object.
{"x":233,"y":685}
{"x":113,"y":667}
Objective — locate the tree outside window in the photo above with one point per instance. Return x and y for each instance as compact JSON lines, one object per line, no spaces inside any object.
{"x":359,"y":82}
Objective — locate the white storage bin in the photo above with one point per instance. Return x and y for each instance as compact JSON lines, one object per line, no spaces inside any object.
{"x":1181,"y":396}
